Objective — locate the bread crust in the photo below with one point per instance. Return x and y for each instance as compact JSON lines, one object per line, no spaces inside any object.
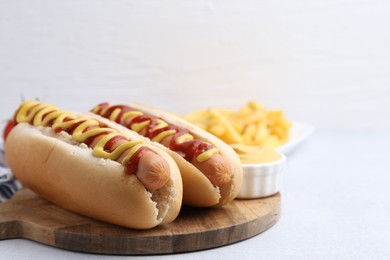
{"x":198,"y":190}
{"x":70,"y":176}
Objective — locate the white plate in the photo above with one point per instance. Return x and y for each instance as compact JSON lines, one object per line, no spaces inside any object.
{"x":298,"y":133}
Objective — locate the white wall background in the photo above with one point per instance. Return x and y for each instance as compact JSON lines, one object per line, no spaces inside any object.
{"x":326,"y":63}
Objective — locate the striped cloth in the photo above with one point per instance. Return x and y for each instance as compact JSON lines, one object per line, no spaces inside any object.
{"x":8,"y":184}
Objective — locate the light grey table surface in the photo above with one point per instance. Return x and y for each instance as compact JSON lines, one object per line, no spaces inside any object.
{"x":335,"y":205}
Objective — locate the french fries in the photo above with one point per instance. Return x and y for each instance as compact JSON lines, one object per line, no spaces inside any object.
{"x":251,"y":125}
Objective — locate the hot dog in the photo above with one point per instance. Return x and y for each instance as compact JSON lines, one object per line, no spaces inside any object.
{"x":87,"y":167}
{"x":211,"y":170}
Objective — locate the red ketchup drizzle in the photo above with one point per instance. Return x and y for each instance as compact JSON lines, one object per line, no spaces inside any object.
{"x":188,"y":150}
{"x":132,"y":164}
{"x":101,"y":107}
{"x":108,"y":147}
{"x":90,"y":139}
{"x":51,"y":122}
{"x":130,"y":167}
{"x":149,"y":128}
{"x":123,"y":109}
{"x":70,"y":129}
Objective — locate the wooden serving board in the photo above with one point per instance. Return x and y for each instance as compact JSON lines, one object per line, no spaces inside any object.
{"x":29,"y":216}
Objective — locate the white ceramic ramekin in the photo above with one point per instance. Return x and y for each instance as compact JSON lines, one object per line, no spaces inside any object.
{"x":261,"y":180}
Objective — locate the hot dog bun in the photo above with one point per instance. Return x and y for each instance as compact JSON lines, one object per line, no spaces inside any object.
{"x":198,"y":189}
{"x":68,"y":174}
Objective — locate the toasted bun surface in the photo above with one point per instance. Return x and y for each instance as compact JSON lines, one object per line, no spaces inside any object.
{"x":198,"y":190}
{"x":67,"y":174}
